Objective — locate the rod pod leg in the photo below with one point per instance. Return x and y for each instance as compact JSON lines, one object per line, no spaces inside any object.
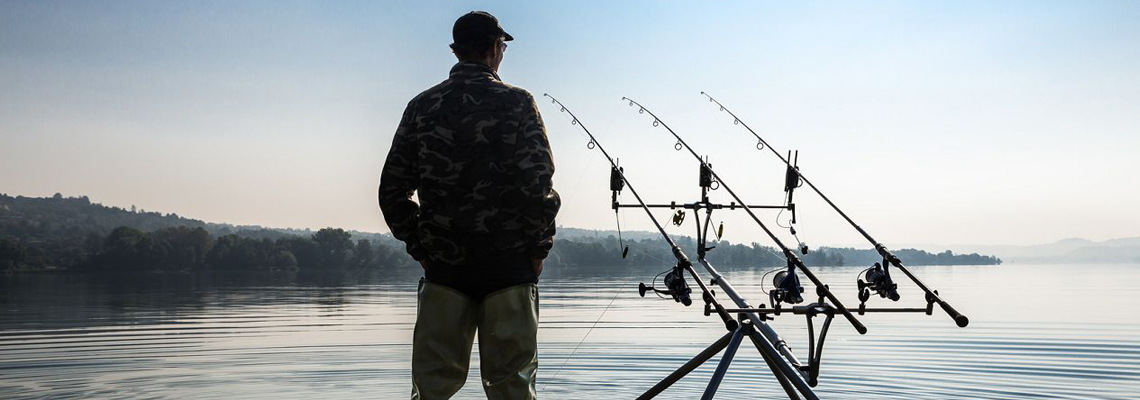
{"x":789,"y":389}
{"x":783,"y":370}
{"x":725,"y":361}
{"x":688,"y":367}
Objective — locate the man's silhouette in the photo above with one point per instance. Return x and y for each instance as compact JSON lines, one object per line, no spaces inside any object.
{"x":476,"y":152}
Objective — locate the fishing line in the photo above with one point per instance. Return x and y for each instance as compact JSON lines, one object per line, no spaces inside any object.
{"x":764,"y":278}
{"x":617,"y":293}
{"x":654,"y":282}
{"x":793,"y":376}
{"x":582,"y":171}
{"x":621,"y":243}
{"x":888,"y":257}
{"x":592,"y":144}
{"x":793,"y":261}
{"x":771,"y":346}
{"x":864,"y":272}
{"x":658,"y":276}
{"x":781,"y":213}
{"x":582,"y":175}
{"x":620,"y":222}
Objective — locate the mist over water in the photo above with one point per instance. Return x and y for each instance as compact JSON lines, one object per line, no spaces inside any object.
{"x":1036,"y":331}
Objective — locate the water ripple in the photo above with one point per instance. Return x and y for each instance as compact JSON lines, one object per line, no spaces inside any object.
{"x":92,"y":340}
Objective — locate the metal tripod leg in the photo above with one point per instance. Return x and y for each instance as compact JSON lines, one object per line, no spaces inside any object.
{"x":725,"y":361}
{"x":704,"y":355}
{"x":789,"y":383}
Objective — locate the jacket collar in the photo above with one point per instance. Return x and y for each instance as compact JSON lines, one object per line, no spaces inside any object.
{"x":470,"y":69}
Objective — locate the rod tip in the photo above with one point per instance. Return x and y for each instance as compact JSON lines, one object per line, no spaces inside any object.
{"x":962,"y":321}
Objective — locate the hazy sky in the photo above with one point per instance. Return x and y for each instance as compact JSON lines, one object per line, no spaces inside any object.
{"x":1011,"y":122}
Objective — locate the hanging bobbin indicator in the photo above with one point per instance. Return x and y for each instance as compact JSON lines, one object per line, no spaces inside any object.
{"x":803,"y":247}
{"x":617,"y":183}
{"x":932,"y":296}
{"x":679,"y":217}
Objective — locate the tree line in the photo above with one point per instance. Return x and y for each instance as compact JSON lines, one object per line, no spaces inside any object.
{"x":189,"y":249}
{"x":193,"y":249}
{"x":585,"y":252}
{"x":74,"y":234}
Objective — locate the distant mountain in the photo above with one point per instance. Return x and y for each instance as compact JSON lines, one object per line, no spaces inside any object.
{"x":1070,"y":250}
{"x":1131,"y":241}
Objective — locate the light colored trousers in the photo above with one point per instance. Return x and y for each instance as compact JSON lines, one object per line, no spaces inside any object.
{"x":446,"y":324}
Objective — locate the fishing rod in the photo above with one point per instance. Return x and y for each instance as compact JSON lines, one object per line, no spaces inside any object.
{"x":782,"y":363}
{"x":675,"y":282}
{"x":794,"y":261}
{"x":878,"y":275}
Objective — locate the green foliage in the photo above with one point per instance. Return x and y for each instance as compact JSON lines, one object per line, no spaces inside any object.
{"x":912,"y":257}
{"x":336,"y":249}
{"x":73,"y":233}
{"x":363,"y":254}
{"x":12,"y":254}
{"x":186,"y":249}
{"x":585,"y":252}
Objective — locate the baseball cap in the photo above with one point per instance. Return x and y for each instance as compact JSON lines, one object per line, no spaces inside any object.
{"x":477,"y":25}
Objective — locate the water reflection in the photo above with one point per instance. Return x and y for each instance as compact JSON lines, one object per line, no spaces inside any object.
{"x":1036,"y":331}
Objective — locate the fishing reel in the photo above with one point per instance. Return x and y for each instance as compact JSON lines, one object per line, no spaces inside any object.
{"x":878,"y":281}
{"x":787,"y":288}
{"x":675,"y":286}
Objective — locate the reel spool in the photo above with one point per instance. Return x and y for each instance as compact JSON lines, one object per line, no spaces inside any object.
{"x":788,"y":288}
{"x":879,"y":281}
{"x":675,"y":287}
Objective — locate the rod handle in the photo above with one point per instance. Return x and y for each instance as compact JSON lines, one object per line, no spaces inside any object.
{"x":859,"y":327}
{"x":931,"y":295}
{"x":959,"y":319}
{"x":825,"y":292}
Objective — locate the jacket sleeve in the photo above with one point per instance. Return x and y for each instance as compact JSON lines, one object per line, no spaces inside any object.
{"x":398,"y":181}
{"x":537,"y":163}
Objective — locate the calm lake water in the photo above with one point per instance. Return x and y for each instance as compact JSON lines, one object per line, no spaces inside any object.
{"x":1036,"y":331}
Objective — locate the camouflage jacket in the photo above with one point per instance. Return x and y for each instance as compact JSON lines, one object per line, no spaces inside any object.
{"x":476,"y":151}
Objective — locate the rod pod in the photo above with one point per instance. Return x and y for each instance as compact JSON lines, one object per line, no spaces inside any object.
{"x":931,"y":295}
{"x":788,"y":253}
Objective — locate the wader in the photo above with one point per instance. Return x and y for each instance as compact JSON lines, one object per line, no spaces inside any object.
{"x":446,"y":323}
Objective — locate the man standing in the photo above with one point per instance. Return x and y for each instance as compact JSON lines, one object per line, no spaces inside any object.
{"x":476,"y":152}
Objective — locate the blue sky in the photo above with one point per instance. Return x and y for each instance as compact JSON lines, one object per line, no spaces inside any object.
{"x":929,"y":122}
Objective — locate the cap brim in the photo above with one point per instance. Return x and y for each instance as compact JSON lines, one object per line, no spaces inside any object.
{"x":507,"y":37}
